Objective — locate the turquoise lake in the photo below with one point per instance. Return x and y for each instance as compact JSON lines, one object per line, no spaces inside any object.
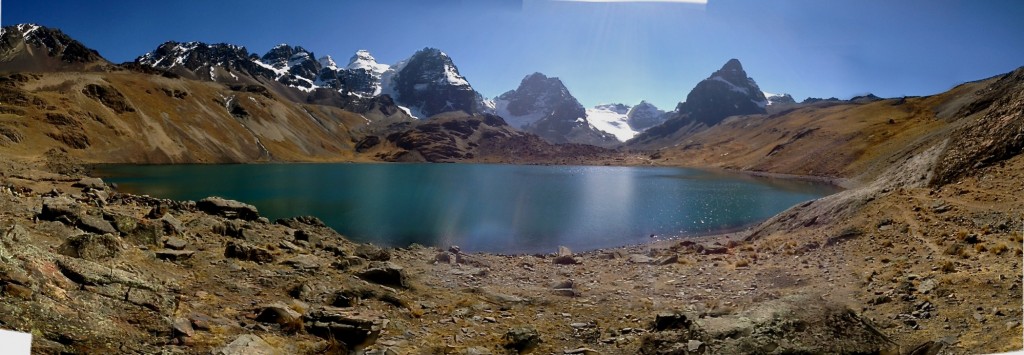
{"x":479,"y":207}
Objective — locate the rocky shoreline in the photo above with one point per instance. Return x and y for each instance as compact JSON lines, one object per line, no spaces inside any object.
{"x":87,"y":269}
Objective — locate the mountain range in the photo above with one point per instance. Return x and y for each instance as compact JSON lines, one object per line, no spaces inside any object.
{"x":291,"y":89}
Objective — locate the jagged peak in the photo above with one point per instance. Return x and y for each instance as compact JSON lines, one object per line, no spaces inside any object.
{"x":732,"y":65}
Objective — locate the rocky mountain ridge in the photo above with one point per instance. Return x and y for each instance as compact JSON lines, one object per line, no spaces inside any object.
{"x":425,"y":84}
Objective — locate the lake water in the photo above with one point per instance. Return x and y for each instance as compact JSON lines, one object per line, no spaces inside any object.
{"x":493,"y":208}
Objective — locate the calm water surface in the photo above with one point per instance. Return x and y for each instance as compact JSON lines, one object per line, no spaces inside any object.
{"x":494,"y":208}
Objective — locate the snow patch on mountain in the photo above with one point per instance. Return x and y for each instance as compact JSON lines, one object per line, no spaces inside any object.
{"x":521,"y":121}
{"x":612,"y":118}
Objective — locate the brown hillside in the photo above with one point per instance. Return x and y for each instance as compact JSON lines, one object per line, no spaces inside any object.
{"x":128,"y":117}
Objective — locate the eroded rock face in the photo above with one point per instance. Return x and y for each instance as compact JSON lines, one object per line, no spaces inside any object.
{"x":994,"y":137}
{"x":109,"y":97}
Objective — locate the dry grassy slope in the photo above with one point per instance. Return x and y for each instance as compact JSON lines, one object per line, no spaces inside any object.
{"x":197,"y":127}
{"x":844,"y":141}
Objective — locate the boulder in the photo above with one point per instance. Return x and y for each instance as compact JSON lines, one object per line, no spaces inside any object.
{"x":145,"y":233}
{"x":182,"y":327}
{"x":279,"y":313}
{"x":61,"y":209}
{"x":353,"y":328}
{"x":172,"y":226}
{"x":248,"y":344}
{"x":564,"y":257}
{"x":95,"y":224}
{"x":385,"y":273}
{"x":522,"y":339}
{"x":228,"y":208}
{"x":92,"y":247}
{"x":245,"y":251}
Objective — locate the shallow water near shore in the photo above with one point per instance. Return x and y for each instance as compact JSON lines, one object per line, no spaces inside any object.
{"x":480,"y":207}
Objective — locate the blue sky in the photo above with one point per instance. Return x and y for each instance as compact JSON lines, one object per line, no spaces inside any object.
{"x":604,"y":52}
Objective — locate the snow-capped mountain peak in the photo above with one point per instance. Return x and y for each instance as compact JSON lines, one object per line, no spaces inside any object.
{"x":363,"y":60}
{"x":328,"y":62}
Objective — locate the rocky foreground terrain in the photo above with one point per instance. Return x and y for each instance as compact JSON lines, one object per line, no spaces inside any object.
{"x":86,"y":269}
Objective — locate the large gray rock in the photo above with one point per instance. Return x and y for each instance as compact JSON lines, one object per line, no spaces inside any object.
{"x":228,"y":208}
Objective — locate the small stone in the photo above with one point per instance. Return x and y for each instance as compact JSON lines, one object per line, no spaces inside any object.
{"x":490,"y":320}
{"x":584,"y":351}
